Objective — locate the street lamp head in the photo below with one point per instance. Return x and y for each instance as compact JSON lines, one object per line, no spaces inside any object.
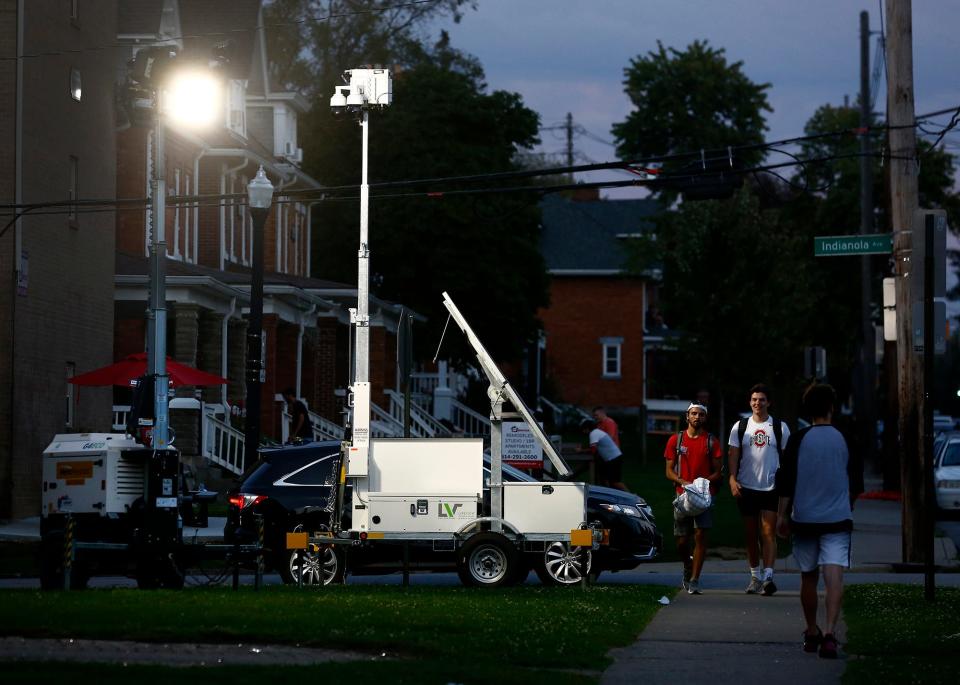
{"x":193,"y":98}
{"x":260,"y":191}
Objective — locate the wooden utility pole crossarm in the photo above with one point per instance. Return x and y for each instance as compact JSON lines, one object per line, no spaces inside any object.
{"x":903,"y":203}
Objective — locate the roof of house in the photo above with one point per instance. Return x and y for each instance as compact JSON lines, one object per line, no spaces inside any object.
{"x":141,"y":17}
{"x":213,"y":21}
{"x":588,"y":236}
{"x":132,"y":265}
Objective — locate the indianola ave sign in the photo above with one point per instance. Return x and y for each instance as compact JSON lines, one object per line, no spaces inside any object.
{"x":845,"y":245}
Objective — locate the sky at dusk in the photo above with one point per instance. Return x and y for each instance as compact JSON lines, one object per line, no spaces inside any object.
{"x":569,"y":55}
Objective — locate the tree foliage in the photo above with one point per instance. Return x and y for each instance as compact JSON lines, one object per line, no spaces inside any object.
{"x":310,"y":42}
{"x":688,"y":100}
{"x":483,"y":248}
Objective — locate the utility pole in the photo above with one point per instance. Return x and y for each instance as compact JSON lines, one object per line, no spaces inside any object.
{"x":866,"y":407}
{"x":569,"y":128}
{"x":903,"y":203}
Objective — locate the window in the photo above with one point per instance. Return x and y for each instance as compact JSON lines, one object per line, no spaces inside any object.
{"x":320,"y":472}
{"x":611,"y":356}
{"x":73,"y":188}
{"x":76,"y":90}
{"x":71,"y":397}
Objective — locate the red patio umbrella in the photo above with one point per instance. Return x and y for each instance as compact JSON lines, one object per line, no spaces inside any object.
{"x":127,"y":370}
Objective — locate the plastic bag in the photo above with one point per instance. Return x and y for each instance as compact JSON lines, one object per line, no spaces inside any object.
{"x":695,"y":498}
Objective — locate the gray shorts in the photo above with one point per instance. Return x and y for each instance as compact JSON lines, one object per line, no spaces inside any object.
{"x":813,"y":551}
{"x":683,"y":526}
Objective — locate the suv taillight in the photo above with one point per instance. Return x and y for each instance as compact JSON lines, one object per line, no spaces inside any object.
{"x":242,"y":501}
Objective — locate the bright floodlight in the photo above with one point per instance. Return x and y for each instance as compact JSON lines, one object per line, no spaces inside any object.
{"x":260,"y":191}
{"x":193,"y":99}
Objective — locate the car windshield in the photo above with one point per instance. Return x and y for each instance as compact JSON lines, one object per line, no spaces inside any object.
{"x":951,"y":455}
{"x":510,"y":473}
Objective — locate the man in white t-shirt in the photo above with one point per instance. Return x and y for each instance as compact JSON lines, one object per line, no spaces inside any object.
{"x":754,"y":456}
{"x":611,"y":458}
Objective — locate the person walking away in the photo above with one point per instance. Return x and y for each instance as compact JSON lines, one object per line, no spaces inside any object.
{"x":300,"y":426}
{"x":755,"y":446}
{"x":691,"y":454}
{"x":819,"y":481}
{"x":606,"y":424}
{"x":611,"y":458}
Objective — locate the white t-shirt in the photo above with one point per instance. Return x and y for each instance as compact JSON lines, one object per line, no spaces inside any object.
{"x":606,"y":447}
{"x":759,"y":460}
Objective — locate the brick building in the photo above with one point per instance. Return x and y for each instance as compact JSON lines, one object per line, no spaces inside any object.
{"x":56,"y":293}
{"x":595,"y":343}
{"x":76,"y":283}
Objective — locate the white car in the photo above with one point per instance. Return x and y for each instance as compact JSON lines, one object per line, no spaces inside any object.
{"x":946,"y":474}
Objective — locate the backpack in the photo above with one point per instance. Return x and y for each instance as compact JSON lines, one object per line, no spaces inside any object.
{"x":680,"y":441}
{"x":777,"y":433}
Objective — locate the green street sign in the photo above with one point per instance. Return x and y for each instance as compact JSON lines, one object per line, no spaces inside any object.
{"x":846,"y":245}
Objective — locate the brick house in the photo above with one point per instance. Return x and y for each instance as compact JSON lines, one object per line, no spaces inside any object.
{"x":594,"y":348}
{"x":76,"y":285}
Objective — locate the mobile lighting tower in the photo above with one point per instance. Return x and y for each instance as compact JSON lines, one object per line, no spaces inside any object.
{"x":366,"y":89}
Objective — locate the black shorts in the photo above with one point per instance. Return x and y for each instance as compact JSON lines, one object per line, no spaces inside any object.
{"x":611,"y":471}
{"x":752,"y":502}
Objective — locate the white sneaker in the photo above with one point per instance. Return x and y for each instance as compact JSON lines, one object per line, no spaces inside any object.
{"x":693,"y":587}
{"x":755,"y":587}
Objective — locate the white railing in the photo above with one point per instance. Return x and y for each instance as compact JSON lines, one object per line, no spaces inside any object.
{"x":383,"y":425}
{"x":422,"y":423}
{"x":120,"y":412}
{"x":425,"y":382}
{"x":473,"y":424}
{"x":223,"y":444}
{"x":323,"y":429}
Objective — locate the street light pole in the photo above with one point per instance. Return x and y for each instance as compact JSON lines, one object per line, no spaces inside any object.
{"x":157,"y":317}
{"x":260,"y":196}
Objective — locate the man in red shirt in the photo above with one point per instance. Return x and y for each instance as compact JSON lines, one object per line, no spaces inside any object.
{"x":689,"y":455}
{"x":606,"y":424}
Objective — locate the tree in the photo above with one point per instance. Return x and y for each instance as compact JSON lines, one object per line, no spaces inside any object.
{"x":735,"y":288}
{"x":310,"y":42}
{"x":481,"y":248}
{"x":690,"y":100}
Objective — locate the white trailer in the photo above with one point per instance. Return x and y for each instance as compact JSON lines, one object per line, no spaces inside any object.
{"x":433,"y":492}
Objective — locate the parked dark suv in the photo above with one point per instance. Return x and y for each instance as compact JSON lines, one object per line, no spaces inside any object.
{"x":294,"y":488}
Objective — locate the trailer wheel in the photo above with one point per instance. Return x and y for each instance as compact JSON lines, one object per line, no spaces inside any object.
{"x":317,"y":565}
{"x":562,"y":564}
{"x":487,"y":560}
{"x":51,"y":564}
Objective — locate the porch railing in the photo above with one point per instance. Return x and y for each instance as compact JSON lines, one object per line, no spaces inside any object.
{"x":471,"y":423}
{"x":422,"y":423}
{"x":223,"y":444}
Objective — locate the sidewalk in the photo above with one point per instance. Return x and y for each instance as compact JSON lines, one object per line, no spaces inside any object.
{"x":725,"y":636}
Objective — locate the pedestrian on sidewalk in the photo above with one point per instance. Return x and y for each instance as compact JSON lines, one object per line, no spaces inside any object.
{"x":753,"y":468}
{"x":819,"y":482}
{"x":691,"y":454}
{"x":610,"y":457}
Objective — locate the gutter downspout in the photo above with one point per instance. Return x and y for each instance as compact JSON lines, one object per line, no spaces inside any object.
{"x":224,"y":350}
{"x":303,"y":318}
{"x":224,"y":174}
{"x":196,"y":207}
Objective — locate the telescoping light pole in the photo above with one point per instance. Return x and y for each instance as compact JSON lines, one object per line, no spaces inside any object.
{"x":189,"y":97}
{"x":368,"y":89}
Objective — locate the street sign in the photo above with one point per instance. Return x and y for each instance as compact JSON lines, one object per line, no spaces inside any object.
{"x":846,"y":245}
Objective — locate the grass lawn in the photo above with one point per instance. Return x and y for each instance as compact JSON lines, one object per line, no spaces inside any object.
{"x":895,"y":636}
{"x":522,"y":635}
